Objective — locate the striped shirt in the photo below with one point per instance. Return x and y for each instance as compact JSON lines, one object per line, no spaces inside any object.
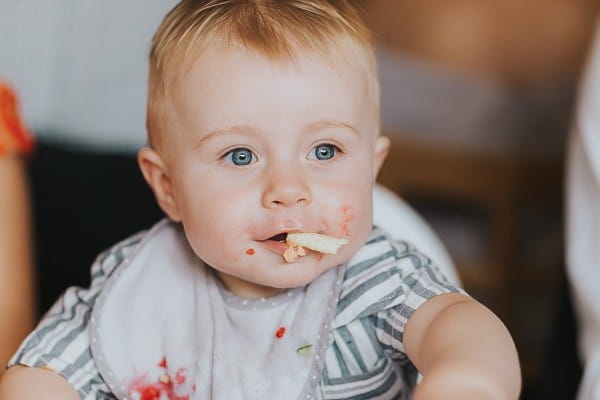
{"x":384,"y":283}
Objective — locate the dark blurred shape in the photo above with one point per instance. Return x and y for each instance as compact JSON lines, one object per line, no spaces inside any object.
{"x":84,"y":202}
{"x":562,"y":372}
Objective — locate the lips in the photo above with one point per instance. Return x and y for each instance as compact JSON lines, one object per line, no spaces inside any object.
{"x":274,"y":246}
{"x":277,"y":243}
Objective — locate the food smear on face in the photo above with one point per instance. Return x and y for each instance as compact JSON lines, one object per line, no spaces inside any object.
{"x":250,"y":251}
{"x":347,"y":216}
{"x":314,"y":241}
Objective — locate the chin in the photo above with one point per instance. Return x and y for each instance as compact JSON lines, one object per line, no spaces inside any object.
{"x":301,"y":273}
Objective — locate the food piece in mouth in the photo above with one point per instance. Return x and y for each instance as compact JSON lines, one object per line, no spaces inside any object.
{"x":292,"y":252}
{"x":313,"y":241}
{"x":317,"y":242}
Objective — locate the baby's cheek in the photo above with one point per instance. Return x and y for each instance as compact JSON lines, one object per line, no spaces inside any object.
{"x":229,"y":252}
{"x":227,"y":243}
{"x":214,"y":250}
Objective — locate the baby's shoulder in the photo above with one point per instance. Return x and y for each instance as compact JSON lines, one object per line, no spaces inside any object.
{"x":380,"y":258}
{"x":61,"y":342}
{"x":108,"y":261}
{"x":383,"y":274}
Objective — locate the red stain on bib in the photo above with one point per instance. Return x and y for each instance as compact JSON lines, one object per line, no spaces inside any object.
{"x":164,"y":388}
{"x":280,"y":332}
{"x":180,"y":377}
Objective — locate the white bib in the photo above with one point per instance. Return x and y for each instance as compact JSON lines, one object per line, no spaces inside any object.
{"x":165,"y":328}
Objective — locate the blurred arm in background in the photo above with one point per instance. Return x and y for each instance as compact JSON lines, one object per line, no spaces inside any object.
{"x":583,"y":222}
{"x":17,"y":299}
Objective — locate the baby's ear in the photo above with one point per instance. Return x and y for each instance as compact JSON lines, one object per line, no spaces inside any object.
{"x":157,"y":175}
{"x":382,"y":147}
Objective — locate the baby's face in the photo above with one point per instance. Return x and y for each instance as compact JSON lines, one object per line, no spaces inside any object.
{"x":261,"y":148}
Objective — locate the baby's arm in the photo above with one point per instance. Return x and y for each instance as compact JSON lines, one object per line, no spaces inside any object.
{"x":463,"y":351}
{"x":25,"y":383}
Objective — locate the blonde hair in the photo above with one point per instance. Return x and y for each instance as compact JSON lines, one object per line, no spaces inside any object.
{"x":333,"y":29}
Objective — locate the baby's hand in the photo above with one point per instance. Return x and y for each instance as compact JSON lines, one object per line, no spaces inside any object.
{"x":313,"y":241}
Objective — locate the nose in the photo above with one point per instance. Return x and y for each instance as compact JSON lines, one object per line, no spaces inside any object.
{"x":286,"y":189}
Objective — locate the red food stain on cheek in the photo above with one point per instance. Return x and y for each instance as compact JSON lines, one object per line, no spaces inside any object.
{"x":347,"y":215}
{"x":250,"y":251}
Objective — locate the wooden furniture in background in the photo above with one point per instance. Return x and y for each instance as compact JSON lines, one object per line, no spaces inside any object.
{"x":503,"y":188}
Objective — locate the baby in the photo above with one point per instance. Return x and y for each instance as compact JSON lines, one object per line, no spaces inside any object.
{"x":267,"y":280}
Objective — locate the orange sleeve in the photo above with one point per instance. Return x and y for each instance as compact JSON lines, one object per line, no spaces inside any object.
{"x":14,"y":135}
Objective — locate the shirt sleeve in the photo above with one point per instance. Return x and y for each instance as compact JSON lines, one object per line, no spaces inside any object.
{"x":386,"y":285}
{"x":422,"y":284}
{"x":15,"y":138}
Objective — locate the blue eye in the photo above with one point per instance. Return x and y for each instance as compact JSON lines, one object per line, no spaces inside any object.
{"x":240,"y":157}
{"x":324,"y":152}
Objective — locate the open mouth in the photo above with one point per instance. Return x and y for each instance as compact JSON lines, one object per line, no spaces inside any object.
{"x":292,"y":245}
{"x":276,"y":243}
{"x":281,"y":237}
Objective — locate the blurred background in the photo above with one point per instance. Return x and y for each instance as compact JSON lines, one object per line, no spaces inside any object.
{"x":477,"y":97}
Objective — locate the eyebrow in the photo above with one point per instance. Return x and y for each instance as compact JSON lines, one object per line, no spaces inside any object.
{"x":324,"y":124}
{"x":226,"y":131}
{"x":312,"y":127}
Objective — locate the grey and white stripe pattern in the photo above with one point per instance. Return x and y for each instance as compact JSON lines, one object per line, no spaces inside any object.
{"x":61,"y":341}
{"x":385,"y":282}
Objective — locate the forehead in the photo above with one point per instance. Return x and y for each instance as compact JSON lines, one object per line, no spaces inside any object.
{"x":230,"y":83}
